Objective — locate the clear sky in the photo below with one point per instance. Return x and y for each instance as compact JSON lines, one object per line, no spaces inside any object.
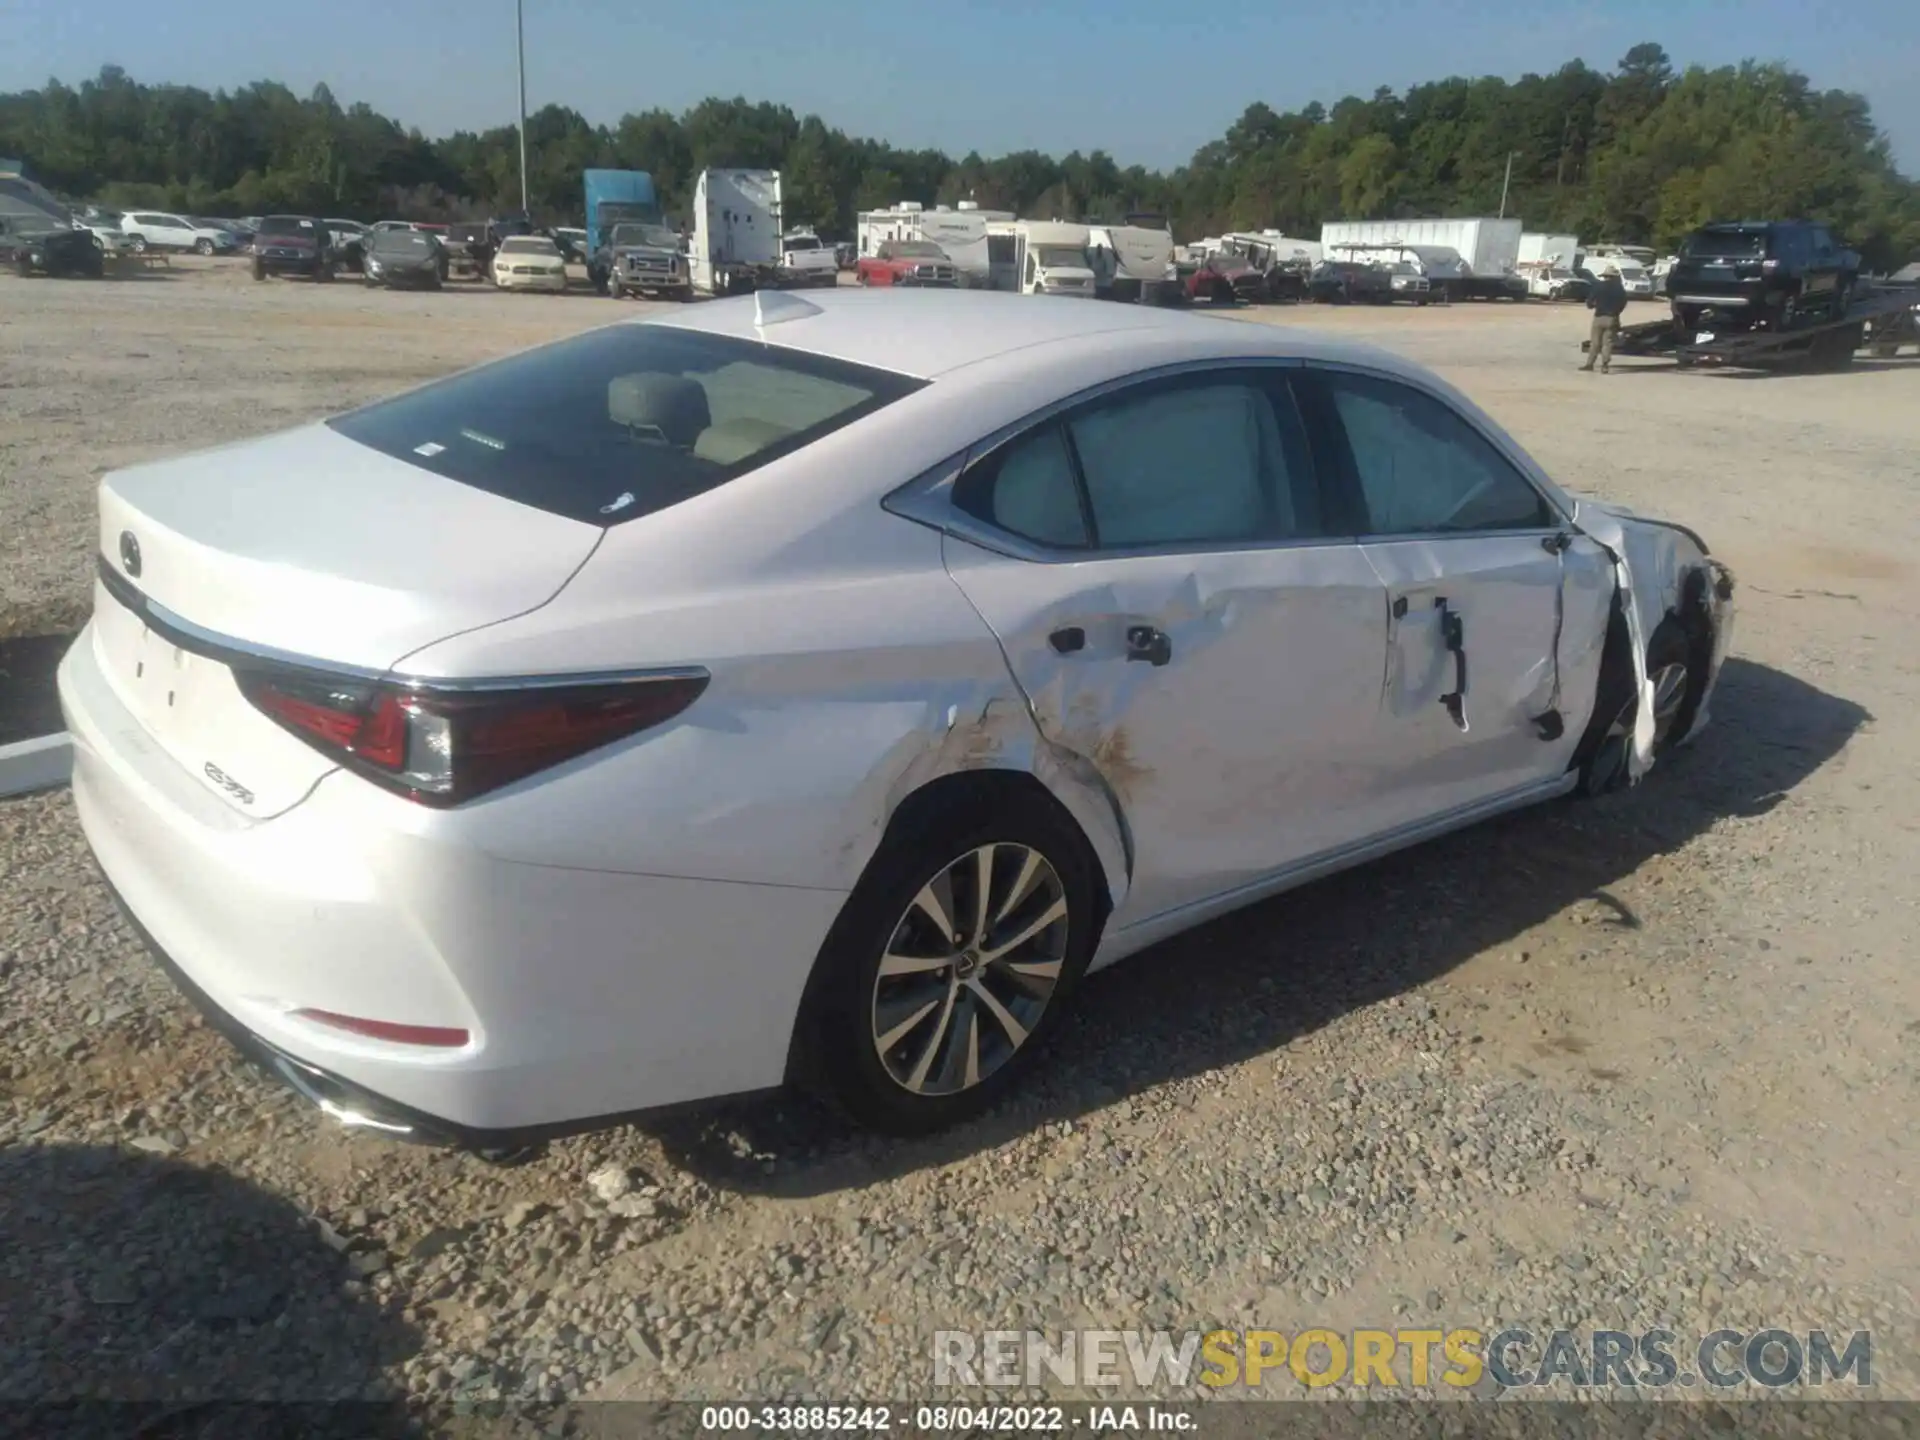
{"x":1148,"y":81}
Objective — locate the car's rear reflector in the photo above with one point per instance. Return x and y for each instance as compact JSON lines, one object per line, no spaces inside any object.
{"x":437,"y":1036}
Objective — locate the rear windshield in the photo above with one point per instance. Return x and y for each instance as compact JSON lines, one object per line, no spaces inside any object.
{"x":412,"y":241}
{"x":621,"y":422}
{"x":1728,"y":244}
{"x":286,"y":225}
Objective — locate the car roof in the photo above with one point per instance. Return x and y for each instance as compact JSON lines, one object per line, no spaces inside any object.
{"x":928,"y":333}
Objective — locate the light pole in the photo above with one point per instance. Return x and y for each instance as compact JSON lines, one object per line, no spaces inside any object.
{"x":1504,"y":183}
{"x":520,"y":36}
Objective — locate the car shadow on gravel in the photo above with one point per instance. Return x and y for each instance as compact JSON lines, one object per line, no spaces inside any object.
{"x":146,"y":1296}
{"x":1252,"y":982}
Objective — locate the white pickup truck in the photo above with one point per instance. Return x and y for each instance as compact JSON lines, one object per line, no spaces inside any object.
{"x":806,"y":260}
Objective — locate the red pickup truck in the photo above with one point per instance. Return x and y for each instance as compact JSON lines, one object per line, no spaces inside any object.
{"x":907,"y":262}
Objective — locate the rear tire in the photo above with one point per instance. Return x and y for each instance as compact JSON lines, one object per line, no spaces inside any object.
{"x":138,"y":244}
{"x":203,"y":246}
{"x":946,"y":1033}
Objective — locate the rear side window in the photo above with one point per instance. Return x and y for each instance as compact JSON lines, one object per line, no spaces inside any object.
{"x":1727,"y":244}
{"x":621,"y":422}
{"x":1206,"y":462}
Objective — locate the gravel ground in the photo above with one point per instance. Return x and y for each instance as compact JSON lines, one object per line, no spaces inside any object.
{"x":1647,"y":1061}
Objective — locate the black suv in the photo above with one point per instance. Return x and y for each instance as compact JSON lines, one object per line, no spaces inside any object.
{"x":1761,"y":274}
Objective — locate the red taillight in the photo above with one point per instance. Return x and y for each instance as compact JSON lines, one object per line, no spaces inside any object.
{"x":440,"y":1036}
{"x":442,"y":746}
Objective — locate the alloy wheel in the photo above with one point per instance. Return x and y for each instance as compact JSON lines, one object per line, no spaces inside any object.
{"x":970,"y":969}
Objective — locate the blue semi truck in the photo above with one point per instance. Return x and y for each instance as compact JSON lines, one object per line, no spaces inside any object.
{"x":614,"y":196}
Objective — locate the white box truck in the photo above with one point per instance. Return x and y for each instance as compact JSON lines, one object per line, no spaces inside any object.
{"x":1490,"y":248}
{"x":736,"y":231}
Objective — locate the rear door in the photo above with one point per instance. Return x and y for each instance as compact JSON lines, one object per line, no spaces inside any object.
{"x":1175,"y":598}
{"x":1483,"y":581}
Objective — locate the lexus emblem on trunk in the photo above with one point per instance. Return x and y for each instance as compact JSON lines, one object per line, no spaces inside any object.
{"x":130,"y":553}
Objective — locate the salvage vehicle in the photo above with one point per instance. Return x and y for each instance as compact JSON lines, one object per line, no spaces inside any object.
{"x":802,"y":689}
{"x":292,"y":245}
{"x":1761,"y":274}
{"x":468,"y":250}
{"x":400,"y":258}
{"x":644,"y":259}
{"x":242,"y":233}
{"x":529,"y":262}
{"x":572,"y":243}
{"x":156,"y":230}
{"x":1225,"y":278}
{"x":904,"y":263}
{"x":1347,"y":282}
{"x":805,"y":261}
{"x":43,"y":247}
{"x":610,"y":198}
{"x":1551,"y":280}
{"x":349,"y":242}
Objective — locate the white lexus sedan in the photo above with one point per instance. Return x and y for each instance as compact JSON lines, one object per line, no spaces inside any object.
{"x":815,"y":689}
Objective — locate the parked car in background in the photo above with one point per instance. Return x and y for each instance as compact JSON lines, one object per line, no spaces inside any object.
{"x":44,"y":247}
{"x":529,"y":262}
{"x":469,"y":251}
{"x":1553,"y":280}
{"x":508,"y":766}
{"x":403,"y":258}
{"x":242,"y":234}
{"x":104,"y":226}
{"x":158,"y":230}
{"x":572,"y":243}
{"x":1348,"y":282}
{"x":806,"y":260}
{"x":903,"y":263}
{"x":1405,"y":282}
{"x":349,"y":242}
{"x":293,"y":245}
{"x":642,"y":258}
{"x":845,"y":253}
{"x":1761,"y":274}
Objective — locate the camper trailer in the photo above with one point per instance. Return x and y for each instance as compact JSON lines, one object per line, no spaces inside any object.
{"x":961,"y":234}
{"x":1040,"y":257}
{"x":1133,"y":263}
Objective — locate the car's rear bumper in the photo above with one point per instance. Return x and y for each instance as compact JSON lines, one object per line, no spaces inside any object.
{"x":585,"y":995}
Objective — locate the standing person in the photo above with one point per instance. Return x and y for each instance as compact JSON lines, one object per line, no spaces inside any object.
{"x":1607,"y":301}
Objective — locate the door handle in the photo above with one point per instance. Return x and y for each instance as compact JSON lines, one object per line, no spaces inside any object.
{"x":1068,"y":639}
{"x":1453,"y":635}
{"x":1144,"y":642}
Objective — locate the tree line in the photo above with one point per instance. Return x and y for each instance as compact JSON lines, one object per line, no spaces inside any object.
{"x":1641,"y":154}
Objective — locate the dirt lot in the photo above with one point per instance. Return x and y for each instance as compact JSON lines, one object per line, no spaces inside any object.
{"x":1643,"y":1062}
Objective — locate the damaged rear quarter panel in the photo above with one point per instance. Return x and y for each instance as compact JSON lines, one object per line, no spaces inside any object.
{"x":840,"y":685}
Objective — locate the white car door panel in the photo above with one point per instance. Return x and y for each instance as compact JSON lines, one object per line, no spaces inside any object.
{"x":1181,"y":623}
{"x":1495,"y":607}
{"x":1500,"y":590}
{"x":1248,"y":747}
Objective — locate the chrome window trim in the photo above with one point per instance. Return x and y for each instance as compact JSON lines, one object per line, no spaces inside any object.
{"x":928,"y":498}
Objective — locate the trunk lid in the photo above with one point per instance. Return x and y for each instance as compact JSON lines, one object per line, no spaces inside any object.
{"x":306,"y":545}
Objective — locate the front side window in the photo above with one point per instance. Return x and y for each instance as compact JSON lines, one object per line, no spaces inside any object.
{"x":618,"y":423}
{"x":1420,"y":468}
